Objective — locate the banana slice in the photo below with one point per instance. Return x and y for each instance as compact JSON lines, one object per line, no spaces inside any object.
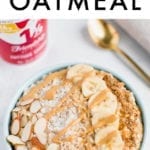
{"x":112,"y":141}
{"x":117,"y":142}
{"x":105,"y":108}
{"x":104,"y":134}
{"x":92,"y":85}
{"x":78,"y":71}
{"x":15,"y":140}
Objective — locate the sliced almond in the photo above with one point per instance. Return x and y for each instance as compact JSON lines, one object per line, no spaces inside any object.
{"x":53,"y":146}
{"x":26,"y":102}
{"x":34,"y":119}
{"x":24,"y":120}
{"x":14,"y":115}
{"x":39,"y":128}
{"x":16,"y":109}
{"x":35,"y":107}
{"x":21,"y":147}
{"x":26,"y":133}
{"x":40,"y":125}
{"x":20,"y":132}
{"x":15,"y":140}
{"x":15,"y":127}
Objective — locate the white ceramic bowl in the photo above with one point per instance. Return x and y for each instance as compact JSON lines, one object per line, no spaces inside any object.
{"x":38,"y":77}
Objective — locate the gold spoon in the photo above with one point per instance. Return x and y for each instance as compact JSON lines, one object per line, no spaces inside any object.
{"x":105,"y":36}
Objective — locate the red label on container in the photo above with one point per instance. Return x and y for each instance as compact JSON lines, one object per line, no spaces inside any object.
{"x":22,"y":41}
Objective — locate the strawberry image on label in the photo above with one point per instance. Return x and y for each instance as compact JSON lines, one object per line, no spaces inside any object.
{"x":22,"y":24}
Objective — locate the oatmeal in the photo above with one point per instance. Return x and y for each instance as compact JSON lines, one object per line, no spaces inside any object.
{"x":78,"y":108}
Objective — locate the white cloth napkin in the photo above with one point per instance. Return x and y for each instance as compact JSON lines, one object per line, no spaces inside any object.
{"x":139,"y":30}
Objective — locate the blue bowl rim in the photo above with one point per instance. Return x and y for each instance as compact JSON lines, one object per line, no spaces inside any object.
{"x":58,"y":67}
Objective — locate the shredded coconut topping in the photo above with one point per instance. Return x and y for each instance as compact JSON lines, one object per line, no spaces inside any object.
{"x":62,"y":119}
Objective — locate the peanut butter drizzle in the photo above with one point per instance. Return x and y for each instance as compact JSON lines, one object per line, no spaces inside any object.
{"x":99,"y":98}
{"x":107,"y":139}
{"x":42,"y":84}
{"x":55,"y":111}
{"x":69,"y":139}
{"x":99,"y":124}
{"x":32,"y":93}
{"x":82,"y":115}
{"x":63,"y":131}
{"x":90,"y":130}
{"x":51,"y":92}
{"x":59,"y":74}
{"x":105,"y":121}
{"x":59,"y":107}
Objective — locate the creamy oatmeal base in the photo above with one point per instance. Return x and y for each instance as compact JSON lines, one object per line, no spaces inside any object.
{"x":79,"y":108}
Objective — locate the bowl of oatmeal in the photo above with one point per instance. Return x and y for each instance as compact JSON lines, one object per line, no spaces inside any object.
{"x":75,"y":107}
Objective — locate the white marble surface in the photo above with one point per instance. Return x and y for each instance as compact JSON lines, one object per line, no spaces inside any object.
{"x":69,"y":42}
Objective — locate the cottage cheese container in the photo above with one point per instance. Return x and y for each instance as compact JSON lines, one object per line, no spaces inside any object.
{"x":22,"y":41}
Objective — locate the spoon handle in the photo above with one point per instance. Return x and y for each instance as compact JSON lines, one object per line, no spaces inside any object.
{"x":134,"y":65}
